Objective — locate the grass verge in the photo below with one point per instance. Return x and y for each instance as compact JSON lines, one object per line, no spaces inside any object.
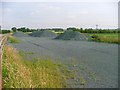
{"x":13,"y":39}
{"x":20,"y":73}
{"x":108,"y":38}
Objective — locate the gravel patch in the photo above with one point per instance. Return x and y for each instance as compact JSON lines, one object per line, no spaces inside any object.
{"x":72,"y":35}
{"x":45,"y":33}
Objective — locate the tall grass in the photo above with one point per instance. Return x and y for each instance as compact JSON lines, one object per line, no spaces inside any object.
{"x":20,"y":73}
{"x":13,"y":39}
{"x":108,"y":38}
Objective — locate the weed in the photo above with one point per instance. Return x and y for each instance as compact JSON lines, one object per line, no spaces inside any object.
{"x":13,"y":39}
{"x":82,"y":80}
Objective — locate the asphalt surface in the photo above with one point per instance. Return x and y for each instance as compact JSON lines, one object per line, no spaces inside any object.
{"x":96,"y":63}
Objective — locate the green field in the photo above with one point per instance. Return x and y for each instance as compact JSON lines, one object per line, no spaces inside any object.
{"x":105,"y":37}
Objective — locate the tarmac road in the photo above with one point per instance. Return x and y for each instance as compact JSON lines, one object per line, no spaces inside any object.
{"x":96,"y":63}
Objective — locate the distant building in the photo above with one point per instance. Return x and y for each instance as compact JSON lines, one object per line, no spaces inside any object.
{"x":97,"y":27}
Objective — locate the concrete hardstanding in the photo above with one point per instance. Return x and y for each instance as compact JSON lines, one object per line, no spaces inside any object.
{"x":96,"y":62}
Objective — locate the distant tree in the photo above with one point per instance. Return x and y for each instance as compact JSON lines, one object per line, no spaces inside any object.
{"x":57,"y":29}
{"x":24,"y":29}
{"x":71,"y":28}
{"x":27,"y":29}
{"x":81,"y":28}
{"x":5,"y":31}
{"x":14,"y":29}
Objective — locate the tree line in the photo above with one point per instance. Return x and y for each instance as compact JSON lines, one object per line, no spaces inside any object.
{"x":89,"y":30}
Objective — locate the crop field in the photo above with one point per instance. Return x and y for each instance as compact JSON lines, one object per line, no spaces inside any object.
{"x":93,"y":64}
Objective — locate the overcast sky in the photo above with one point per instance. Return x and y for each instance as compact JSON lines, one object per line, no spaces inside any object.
{"x":77,"y":13}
